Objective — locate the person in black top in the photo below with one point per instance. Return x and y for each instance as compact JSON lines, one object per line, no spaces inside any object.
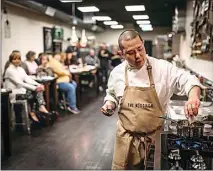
{"x":104,"y":55}
{"x":116,"y":58}
{"x":75,"y":55}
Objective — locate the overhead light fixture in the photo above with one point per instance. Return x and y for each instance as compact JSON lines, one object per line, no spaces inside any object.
{"x":145,"y":26}
{"x":70,"y":1}
{"x":83,"y":41}
{"x":74,"y":37}
{"x":140,"y":17}
{"x":143,"y":22}
{"x":88,"y":9}
{"x":101,"y":18}
{"x":117,"y":26}
{"x":110,"y":22}
{"x":170,"y":35}
{"x":135,"y":8}
{"x":147,"y":29}
{"x":50,"y":11}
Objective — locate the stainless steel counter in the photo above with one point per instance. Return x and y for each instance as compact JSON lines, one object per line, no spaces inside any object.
{"x":176,"y":109}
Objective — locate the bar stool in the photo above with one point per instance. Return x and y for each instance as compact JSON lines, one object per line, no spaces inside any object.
{"x":26,"y":114}
{"x":63,"y":98}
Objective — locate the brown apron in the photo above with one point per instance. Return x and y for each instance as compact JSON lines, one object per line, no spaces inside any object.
{"x":137,"y":124}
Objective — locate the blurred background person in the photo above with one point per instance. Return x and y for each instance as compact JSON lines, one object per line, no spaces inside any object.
{"x":30,"y":62}
{"x":116,"y":58}
{"x":19,"y":82}
{"x":44,"y":69}
{"x":22,"y":64}
{"x":92,"y":59}
{"x":37,"y":60}
{"x":104,"y":55}
{"x":65,"y":82}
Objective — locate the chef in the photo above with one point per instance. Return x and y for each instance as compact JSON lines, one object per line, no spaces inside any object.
{"x":141,"y":88}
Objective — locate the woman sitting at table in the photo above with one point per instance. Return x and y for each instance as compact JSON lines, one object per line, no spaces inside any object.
{"x":65,"y":82}
{"x":44,"y":69}
{"x":19,"y":82}
{"x":31,"y":64}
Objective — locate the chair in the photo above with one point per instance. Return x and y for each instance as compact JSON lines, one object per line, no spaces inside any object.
{"x":26,"y":114}
{"x":62,"y":96}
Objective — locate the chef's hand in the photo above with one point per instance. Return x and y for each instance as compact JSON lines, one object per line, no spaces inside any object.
{"x":193,"y":103}
{"x":108,"y":108}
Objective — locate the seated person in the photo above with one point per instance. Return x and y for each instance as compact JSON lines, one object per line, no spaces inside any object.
{"x":31,"y":64}
{"x":44,"y":68}
{"x":37,"y":60}
{"x":65,"y":82}
{"x":115,"y":58}
{"x":19,"y":82}
{"x":73,"y":56}
{"x":68,"y":60}
{"x":92,"y":59}
{"x":22,"y":64}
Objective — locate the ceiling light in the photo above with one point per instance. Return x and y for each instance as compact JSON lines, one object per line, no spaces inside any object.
{"x":101,"y":18}
{"x":88,"y":9}
{"x":50,"y":11}
{"x":147,"y":29}
{"x":110,"y":22}
{"x":69,"y":1}
{"x":135,"y":8}
{"x":117,"y":26}
{"x":170,"y":35}
{"x":140,"y":17}
{"x":146,"y":26}
{"x":143,"y":22}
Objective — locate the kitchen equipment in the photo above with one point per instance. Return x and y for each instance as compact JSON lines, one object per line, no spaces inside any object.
{"x":186,"y":154}
{"x":187,"y":130}
{"x":207,"y":128}
{"x":167,"y":118}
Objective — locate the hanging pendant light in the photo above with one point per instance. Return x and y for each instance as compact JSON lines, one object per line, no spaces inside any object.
{"x":83,"y":41}
{"x":74,"y":37}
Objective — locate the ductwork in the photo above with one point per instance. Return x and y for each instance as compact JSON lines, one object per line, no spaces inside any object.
{"x":41,"y":8}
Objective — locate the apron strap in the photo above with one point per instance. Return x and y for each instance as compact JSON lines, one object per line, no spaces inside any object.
{"x":126,"y":76}
{"x":149,"y":69}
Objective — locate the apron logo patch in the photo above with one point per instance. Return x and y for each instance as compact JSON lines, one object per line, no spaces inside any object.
{"x":140,"y":105}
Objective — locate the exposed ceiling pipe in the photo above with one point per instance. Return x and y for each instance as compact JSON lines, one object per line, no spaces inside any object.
{"x":62,"y":16}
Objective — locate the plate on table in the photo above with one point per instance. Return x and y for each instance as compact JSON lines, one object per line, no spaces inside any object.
{"x":44,"y":78}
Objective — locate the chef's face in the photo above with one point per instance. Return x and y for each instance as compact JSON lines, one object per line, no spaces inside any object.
{"x":134,"y":52}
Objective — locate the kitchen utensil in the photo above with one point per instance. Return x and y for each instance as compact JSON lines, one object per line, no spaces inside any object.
{"x":167,"y":118}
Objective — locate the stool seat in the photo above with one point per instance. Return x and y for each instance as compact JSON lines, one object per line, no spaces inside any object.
{"x":26,"y":114}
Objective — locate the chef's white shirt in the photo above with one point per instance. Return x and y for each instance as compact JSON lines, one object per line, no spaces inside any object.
{"x":167,"y":77}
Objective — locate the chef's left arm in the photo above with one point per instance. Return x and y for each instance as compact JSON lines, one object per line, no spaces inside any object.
{"x":183,"y":83}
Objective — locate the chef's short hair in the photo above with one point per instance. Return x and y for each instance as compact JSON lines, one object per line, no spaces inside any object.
{"x":128,"y":35}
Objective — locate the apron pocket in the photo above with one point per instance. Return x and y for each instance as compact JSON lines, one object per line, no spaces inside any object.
{"x":121,"y":152}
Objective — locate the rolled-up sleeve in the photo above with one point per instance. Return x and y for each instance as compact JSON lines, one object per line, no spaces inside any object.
{"x":181,"y":81}
{"x":110,"y":92}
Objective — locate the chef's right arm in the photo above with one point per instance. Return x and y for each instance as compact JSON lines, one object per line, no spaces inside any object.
{"x":110,"y":100}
